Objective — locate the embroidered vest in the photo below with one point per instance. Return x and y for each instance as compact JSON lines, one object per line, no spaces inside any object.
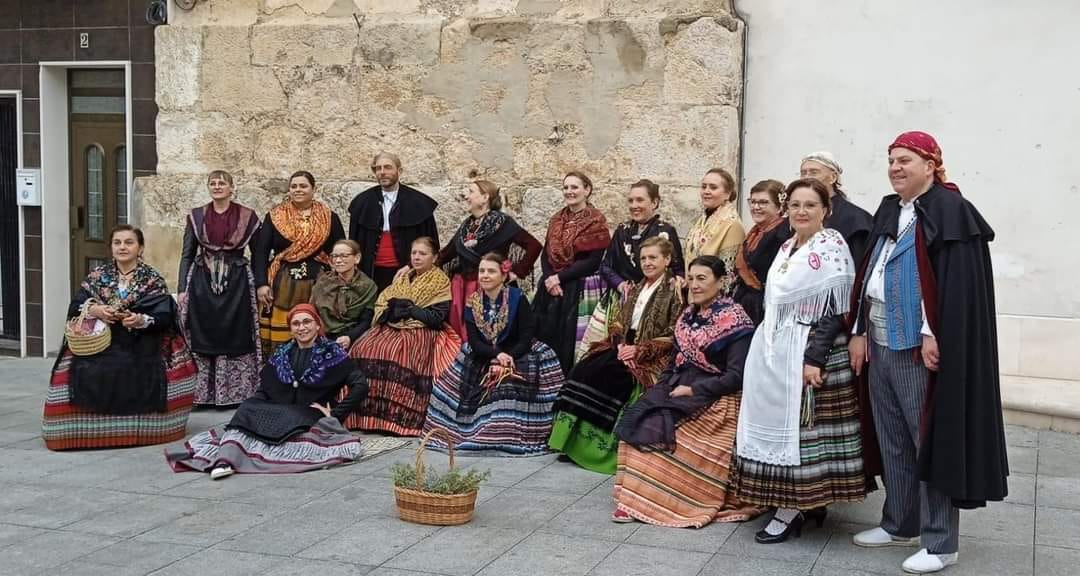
{"x":903,"y":292}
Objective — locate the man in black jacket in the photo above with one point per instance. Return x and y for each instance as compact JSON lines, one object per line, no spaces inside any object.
{"x":387,"y":218}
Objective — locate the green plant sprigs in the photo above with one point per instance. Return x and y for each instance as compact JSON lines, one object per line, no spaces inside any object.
{"x":453,"y":481}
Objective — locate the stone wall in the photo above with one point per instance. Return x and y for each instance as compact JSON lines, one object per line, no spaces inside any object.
{"x":515,"y":91}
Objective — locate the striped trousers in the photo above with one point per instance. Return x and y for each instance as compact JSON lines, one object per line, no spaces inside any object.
{"x":912,"y":508}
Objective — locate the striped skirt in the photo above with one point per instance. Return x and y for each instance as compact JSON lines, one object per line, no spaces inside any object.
{"x":400,"y":366}
{"x":67,"y":427}
{"x":691,"y":486}
{"x":514,"y":418}
{"x":326,"y":444}
{"x":830,"y":453}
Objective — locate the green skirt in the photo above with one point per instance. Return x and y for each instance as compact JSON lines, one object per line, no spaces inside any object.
{"x":589,"y":446}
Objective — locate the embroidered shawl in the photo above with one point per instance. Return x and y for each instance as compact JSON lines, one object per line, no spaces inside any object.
{"x":804,"y":286}
{"x":306,"y":235}
{"x":570,"y":233}
{"x":493,"y":232}
{"x":325,"y":354}
{"x":717,"y":234}
{"x":714,"y":327}
{"x":341,"y":302}
{"x":654,"y":337}
{"x":103,"y":285}
{"x":493,"y":318}
{"x":427,"y":289}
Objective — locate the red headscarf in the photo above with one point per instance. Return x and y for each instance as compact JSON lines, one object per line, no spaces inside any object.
{"x":926,"y":147}
{"x":309,"y":310}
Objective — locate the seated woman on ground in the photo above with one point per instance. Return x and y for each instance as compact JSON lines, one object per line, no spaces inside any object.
{"x":344,"y":296}
{"x":140,"y":389}
{"x":498,"y":393}
{"x":618,"y":369}
{"x":675,"y":457}
{"x":409,"y":346}
{"x":292,"y":423}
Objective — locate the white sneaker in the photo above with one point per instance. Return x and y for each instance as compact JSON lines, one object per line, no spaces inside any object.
{"x":221,"y":472}
{"x":879,"y":538}
{"x":923,"y":562}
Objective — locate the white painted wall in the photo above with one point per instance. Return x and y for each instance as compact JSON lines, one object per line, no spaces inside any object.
{"x":995,"y":81}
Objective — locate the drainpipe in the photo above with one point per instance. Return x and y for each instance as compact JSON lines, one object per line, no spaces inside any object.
{"x":742,"y":100}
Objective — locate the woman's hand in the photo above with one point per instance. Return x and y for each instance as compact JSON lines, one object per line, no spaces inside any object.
{"x":553,"y":286}
{"x":681,"y":390}
{"x":266,"y":298}
{"x":106,"y":314}
{"x":505,"y":360}
{"x":344,"y":342}
{"x":627,"y":352}
{"x":321,"y":408}
{"x":813,"y":376}
{"x":134,"y":321}
{"x":511,"y":277}
{"x":402,"y":272}
{"x":857,"y":353}
{"x":624,"y":289}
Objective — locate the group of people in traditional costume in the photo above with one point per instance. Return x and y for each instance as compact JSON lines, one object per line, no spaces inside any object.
{"x":779,"y":369}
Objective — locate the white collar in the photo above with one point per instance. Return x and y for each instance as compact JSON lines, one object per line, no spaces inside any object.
{"x":391,"y":193}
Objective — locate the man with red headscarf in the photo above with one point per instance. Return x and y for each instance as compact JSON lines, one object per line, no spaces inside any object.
{"x":925,"y":339}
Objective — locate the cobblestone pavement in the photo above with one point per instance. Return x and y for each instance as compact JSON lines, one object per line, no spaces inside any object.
{"x":123,"y":513}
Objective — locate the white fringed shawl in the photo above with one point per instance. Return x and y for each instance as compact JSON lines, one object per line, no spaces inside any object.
{"x":802,"y":288}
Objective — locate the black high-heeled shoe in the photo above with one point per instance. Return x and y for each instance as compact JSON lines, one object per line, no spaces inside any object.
{"x":818,"y":515}
{"x":795,"y":526}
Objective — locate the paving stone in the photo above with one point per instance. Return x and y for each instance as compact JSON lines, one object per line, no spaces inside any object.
{"x":8,"y":437}
{"x":1051,"y":561}
{"x":1021,"y":489}
{"x":81,"y":567}
{"x":210,"y":524}
{"x":363,"y":498}
{"x":141,"y":556}
{"x":1023,"y":460}
{"x":563,"y":477}
{"x":634,"y":560}
{"x":550,"y":555}
{"x":517,"y":508}
{"x":1059,"y":492}
{"x":1000,"y":521}
{"x":458,"y":550}
{"x":271,"y":490}
{"x":841,"y":553}
{"x":727,"y":565}
{"x":221,"y":562}
{"x":10,"y":534}
{"x":708,"y":539}
{"x":981,"y":557}
{"x":1063,"y":463}
{"x":395,"y":572}
{"x":1021,"y":436}
{"x":1057,"y":527}
{"x":133,"y":518}
{"x":55,"y":508}
{"x":135,"y":471}
{"x":369,"y":542}
{"x":308,"y":567}
{"x":50,"y":550}
{"x":591,"y":518}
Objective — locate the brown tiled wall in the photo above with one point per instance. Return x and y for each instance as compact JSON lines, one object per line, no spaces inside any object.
{"x":35,"y":30}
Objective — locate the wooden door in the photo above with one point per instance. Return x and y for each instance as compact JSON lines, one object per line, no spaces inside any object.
{"x":99,"y":174}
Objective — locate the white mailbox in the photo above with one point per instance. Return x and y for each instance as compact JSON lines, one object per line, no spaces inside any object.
{"x":28,"y":186}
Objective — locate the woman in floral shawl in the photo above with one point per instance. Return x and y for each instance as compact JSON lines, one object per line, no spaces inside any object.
{"x":617,"y":370}
{"x":139,"y":390}
{"x":219,"y":312}
{"x":571,"y":285}
{"x":292,"y":423}
{"x":718,"y":231}
{"x":486,"y":229}
{"x":345,"y":296}
{"x":677,"y":441}
{"x":409,"y":346}
{"x":290,"y":253}
{"x":498,"y":393}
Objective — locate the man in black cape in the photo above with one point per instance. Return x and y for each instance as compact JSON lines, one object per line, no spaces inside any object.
{"x":925,"y":331}
{"x":387,"y":218}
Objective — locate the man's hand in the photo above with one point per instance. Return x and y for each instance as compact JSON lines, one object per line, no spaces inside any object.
{"x":931,"y":356}
{"x":857,"y":353}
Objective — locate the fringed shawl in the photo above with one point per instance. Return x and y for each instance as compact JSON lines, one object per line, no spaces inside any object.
{"x":427,"y":289}
{"x":341,"y":303}
{"x":306,"y":235}
{"x":570,"y":233}
{"x":717,"y":234}
{"x":654,"y":337}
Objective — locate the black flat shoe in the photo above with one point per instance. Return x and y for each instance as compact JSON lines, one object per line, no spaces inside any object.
{"x":818,"y":515}
{"x":796,"y":524}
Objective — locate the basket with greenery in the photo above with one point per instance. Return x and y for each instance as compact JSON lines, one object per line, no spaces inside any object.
{"x":441,"y":499}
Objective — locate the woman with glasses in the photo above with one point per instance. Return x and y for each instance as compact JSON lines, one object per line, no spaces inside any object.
{"x":759,"y":249}
{"x":218,"y":307}
{"x":293,"y":422}
{"x":799,"y":436}
{"x":345,"y":296}
{"x":410,"y":345}
{"x":290,"y":253}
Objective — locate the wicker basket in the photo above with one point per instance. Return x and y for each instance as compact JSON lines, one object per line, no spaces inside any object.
{"x":79,"y":342}
{"x":420,"y":507}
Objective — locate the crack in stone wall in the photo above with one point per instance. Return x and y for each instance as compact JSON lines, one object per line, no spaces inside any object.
{"x":460,"y":89}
